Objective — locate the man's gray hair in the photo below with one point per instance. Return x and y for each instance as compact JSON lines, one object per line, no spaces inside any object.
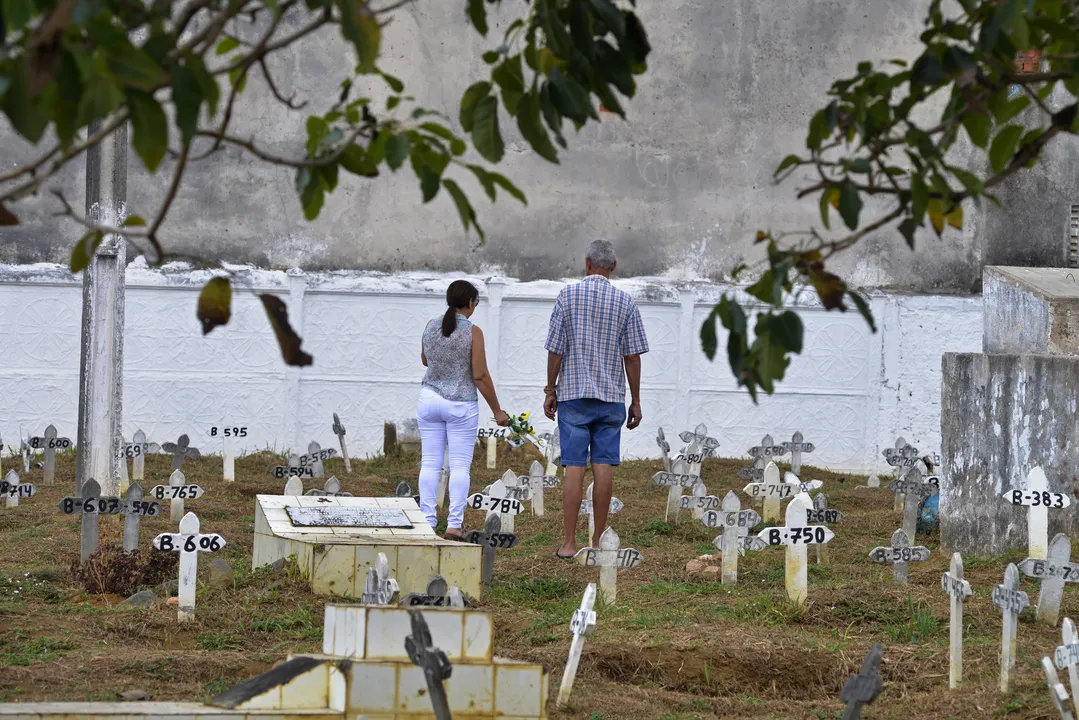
{"x":601,"y":253}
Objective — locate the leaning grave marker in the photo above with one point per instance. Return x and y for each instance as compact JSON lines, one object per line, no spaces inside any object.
{"x":334,"y":549}
{"x":674,"y":480}
{"x":1053,"y":572}
{"x":1066,"y":657}
{"x":1011,"y":602}
{"x":581,"y":625}
{"x":339,"y":431}
{"x":1057,"y":691}
{"x":434,"y":663}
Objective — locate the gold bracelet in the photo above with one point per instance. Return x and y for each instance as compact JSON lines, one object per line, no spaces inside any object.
{"x":548,"y":390}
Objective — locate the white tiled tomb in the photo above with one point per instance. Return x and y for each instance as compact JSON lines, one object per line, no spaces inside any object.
{"x":336,"y":539}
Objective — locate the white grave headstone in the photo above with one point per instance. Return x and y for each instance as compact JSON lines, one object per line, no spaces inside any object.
{"x":1011,"y":600}
{"x":1053,"y":572}
{"x":1038,"y":499}
{"x":189,"y":542}
{"x":608,"y":557}
{"x":772,"y":489}
{"x":293,"y":488}
{"x":1067,"y":657}
{"x":538,"y":481}
{"x":380,"y":588}
{"x":11,"y":489}
{"x":899,"y":555}
{"x":176,"y":492}
{"x":957,"y":589}
{"x":581,"y":625}
{"x":314,"y":458}
{"x":137,"y":451}
{"x":796,"y":536}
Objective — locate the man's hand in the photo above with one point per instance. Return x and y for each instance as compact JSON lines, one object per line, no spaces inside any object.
{"x":550,"y":405}
{"x":634,"y":418}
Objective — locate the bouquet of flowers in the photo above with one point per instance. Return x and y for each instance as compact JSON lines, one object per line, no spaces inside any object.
{"x":521,"y":430}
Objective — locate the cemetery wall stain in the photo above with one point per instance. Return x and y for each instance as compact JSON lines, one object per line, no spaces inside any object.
{"x":681,"y":187}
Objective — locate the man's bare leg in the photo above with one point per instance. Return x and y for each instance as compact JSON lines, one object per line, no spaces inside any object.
{"x":571,"y":507}
{"x":602,"y":487}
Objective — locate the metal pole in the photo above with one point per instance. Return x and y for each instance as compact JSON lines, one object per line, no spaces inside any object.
{"x":101,"y":370}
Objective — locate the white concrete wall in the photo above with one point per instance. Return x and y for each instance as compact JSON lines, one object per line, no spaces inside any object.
{"x":851,"y":392}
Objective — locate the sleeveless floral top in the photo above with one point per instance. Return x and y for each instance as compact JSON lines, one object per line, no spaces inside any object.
{"x":449,"y":360}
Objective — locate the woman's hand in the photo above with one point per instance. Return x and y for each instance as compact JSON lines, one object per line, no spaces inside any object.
{"x":502,"y":418}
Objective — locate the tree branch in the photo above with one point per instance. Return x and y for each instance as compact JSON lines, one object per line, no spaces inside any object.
{"x":250,"y":146}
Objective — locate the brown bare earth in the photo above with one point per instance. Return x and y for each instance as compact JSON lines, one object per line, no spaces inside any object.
{"x":675,"y":646}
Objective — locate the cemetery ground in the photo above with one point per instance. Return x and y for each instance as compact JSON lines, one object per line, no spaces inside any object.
{"x":674,"y":646}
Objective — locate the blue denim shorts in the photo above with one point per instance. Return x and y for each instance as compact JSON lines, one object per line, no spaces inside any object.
{"x":590,"y":424}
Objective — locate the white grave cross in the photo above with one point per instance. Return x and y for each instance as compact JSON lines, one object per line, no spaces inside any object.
{"x":380,"y":588}
{"x":589,"y":509}
{"x":676,"y":479}
{"x":1066,"y":657}
{"x":538,"y":481}
{"x":11,"y":488}
{"x":1011,"y":601}
{"x":957,"y":589}
{"x":1057,"y":691}
{"x":699,"y":437}
{"x":735,"y":522}
{"x":1038,"y":499}
{"x":900,"y":554}
{"x":189,"y":542}
{"x":772,"y":489}
{"x":496,"y":502}
{"x":608,"y":557}
{"x":581,"y":625}
{"x":1053,"y":572}
{"x":796,"y":536}
{"x":137,"y":450}
{"x":50,"y":444}
{"x":176,"y":491}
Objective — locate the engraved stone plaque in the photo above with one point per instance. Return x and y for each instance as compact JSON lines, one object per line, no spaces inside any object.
{"x":347,"y":517}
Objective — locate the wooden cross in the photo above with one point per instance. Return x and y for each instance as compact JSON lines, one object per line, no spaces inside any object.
{"x":1053,"y":572}
{"x":912,"y":488}
{"x":189,"y":542}
{"x":1067,"y":657}
{"x":698,"y":501}
{"x":134,"y":509}
{"x":754,"y":473}
{"x":490,"y":539}
{"x":438,"y":594}
{"x":293,"y":488}
{"x":957,"y":589}
{"x":801,"y":486}
{"x":664,"y":449}
{"x":772,"y":489}
{"x":900,"y":555}
{"x":137,"y":450}
{"x":767,"y":449}
{"x":699,"y":436}
{"x":1057,"y":691}
{"x":675,"y":479}
{"x":517,"y":488}
{"x":588,"y":508}
{"x":821,"y":514}
{"x":314,"y":457}
{"x":90,"y":504}
{"x":581,"y":625}
{"x":339,"y":431}
{"x":331,"y":488}
{"x":1011,"y":601}
{"x":863,"y":688}
{"x":1038,"y":499}
{"x":608,"y":557}
{"x":538,"y":481}
{"x":50,"y":443}
{"x":180,"y":451}
{"x":796,"y":447}
{"x":693,"y":457}
{"x":11,"y":488}
{"x":380,"y":588}
{"x":497,"y":502}
{"x":436,"y":666}
{"x":176,"y":491}
{"x":796,"y":536}
{"x":734,"y":522}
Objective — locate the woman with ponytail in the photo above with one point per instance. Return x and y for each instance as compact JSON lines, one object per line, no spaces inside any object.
{"x":448,"y":410}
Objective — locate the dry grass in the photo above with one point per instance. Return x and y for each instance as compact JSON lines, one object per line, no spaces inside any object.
{"x":673,"y":647}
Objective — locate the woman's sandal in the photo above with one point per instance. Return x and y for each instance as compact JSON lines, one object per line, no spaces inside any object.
{"x":450,"y":536}
{"x":563,"y":557}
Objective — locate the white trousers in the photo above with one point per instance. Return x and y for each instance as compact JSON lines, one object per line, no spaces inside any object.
{"x":445,"y":422}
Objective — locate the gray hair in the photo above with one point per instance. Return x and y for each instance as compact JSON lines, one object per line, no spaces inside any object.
{"x":601,"y":253}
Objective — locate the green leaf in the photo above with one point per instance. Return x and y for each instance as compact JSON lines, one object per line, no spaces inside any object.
{"x":485,"y":180}
{"x":238,"y":78}
{"x":472,"y":96}
{"x":614,"y":67}
{"x":850,"y":205}
{"x":187,"y":99}
{"x":133,"y":221}
{"x":977,"y":125}
{"x":207,"y":84}
{"x":395,"y":84}
{"x":150,"y":128}
{"x":491,"y":57}
{"x":570,"y":98}
{"x":215,"y":304}
{"x":787,"y":328}
{"x":355,"y":160}
{"x":789,"y":161}
{"x":464,"y":207}
{"x":135,"y":68}
{"x":287,"y":339}
{"x":429,"y":183}
{"x":509,"y":187}
{"x":906,"y":229}
{"x":510,"y":79}
{"x":396,"y":151}
{"x":550,"y":115}
{"x":317,"y":130}
{"x":16,"y":14}
{"x":863,"y":308}
{"x":227,"y":45}
{"x":312,"y":194}
{"x":84,"y":250}
{"x":611,"y":16}
{"x":769,"y":289}
{"x":361,"y":28}
{"x":486,"y":136}
{"x":860,"y":165}
{"x":919,"y":199}
{"x":477,"y":15}
{"x":970,"y":181}
{"x":1003,"y":147}
{"x":1004,"y":110}
{"x":531,"y":127}
{"x":27,"y":115}
{"x":825,"y":201}
{"x":457,"y":146}
{"x":636,"y":39}
{"x":709,"y":341}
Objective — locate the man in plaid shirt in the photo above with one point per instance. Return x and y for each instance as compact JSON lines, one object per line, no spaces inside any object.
{"x":594,"y":344}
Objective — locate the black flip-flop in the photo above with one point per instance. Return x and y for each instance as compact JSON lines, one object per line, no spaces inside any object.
{"x":563,"y":557}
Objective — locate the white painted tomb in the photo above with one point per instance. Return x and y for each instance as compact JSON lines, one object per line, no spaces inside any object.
{"x":363,"y":672}
{"x":334,"y":550}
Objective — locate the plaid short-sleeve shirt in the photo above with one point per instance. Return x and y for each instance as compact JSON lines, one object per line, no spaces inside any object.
{"x":594,"y":325}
